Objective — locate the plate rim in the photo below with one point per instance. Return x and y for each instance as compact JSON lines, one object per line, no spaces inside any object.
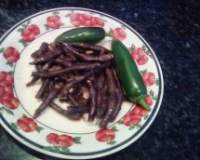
{"x":118,"y":148}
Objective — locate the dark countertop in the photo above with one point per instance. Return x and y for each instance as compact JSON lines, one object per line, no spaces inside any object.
{"x":172,"y":28}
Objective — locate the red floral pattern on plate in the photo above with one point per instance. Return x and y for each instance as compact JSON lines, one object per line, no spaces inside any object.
{"x":27,"y":124}
{"x":65,"y":140}
{"x":105,"y":135}
{"x":119,"y":34}
{"x":11,"y":54}
{"x":30,"y":33}
{"x":149,"y":78}
{"x":61,"y":140}
{"x":52,"y":138}
{"x":81,"y":19}
{"x":54,"y":22}
{"x":131,"y":119}
{"x":149,"y":100}
{"x":139,"y":56}
{"x":134,"y":116}
{"x":7,"y":97}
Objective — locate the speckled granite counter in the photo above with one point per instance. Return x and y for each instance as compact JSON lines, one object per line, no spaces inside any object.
{"x":172,"y":28}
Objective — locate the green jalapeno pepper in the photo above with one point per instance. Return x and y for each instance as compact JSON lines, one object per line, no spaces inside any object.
{"x":82,"y":34}
{"x":129,"y":75}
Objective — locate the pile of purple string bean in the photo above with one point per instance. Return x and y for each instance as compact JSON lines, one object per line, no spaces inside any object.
{"x":81,"y":75}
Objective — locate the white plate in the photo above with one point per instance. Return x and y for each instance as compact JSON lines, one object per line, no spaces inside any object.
{"x":52,"y":134}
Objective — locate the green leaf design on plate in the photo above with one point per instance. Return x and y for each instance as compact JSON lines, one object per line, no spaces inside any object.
{"x":10,"y":64}
{"x":138,"y":126}
{"x":57,"y":149}
{"x":132,"y":48}
{"x":144,"y":48}
{"x":135,"y":126}
{"x":23,"y":42}
{"x":149,"y":54}
{"x":46,"y":27}
{"x":20,"y":30}
{"x":1,"y":50}
{"x":157,"y":82}
{"x":8,"y":111}
{"x":64,"y":150}
{"x":68,"y":14}
{"x":14,"y":126}
{"x":120,"y":121}
{"x":123,"y":27}
{"x":11,"y":73}
{"x":1,"y":109}
{"x":146,"y":116}
{"x":25,"y":24}
{"x":39,"y":129}
{"x":111,"y":142}
{"x":109,"y":33}
{"x":91,"y":13}
{"x":23,"y":115}
{"x":52,"y":148}
{"x":77,"y":140}
{"x":151,"y":93}
{"x":114,"y":129}
{"x":143,"y":71}
{"x":55,"y":13}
